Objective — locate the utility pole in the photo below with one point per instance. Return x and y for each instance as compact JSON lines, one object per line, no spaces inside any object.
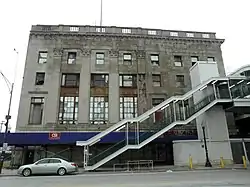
{"x":8,"y":116}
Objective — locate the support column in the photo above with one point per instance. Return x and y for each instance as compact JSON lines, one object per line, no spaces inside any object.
{"x":114,"y":100}
{"x":84,"y":89}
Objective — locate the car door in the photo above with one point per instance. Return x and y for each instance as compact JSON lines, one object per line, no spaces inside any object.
{"x":54,"y":165}
{"x":40,"y":167}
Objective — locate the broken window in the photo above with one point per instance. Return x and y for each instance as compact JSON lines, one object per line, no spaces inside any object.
{"x":70,"y":80}
{"x":36,"y":110}
{"x":128,"y":81}
{"x":99,"y":80}
{"x":99,"y":58}
{"x":71,"y":57}
{"x":156,"y":80}
{"x":68,"y":109}
{"x":42,"y":57}
{"x":155,"y":59}
{"x":40,"y":77}
{"x":178,"y":61}
{"x":180,"y":82}
{"x":128,"y":107}
{"x":99,"y":109}
{"x":127,"y":59}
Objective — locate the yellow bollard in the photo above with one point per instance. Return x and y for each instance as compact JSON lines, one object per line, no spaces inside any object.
{"x":190,"y":162}
{"x":244,"y":162}
{"x":222,"y":165}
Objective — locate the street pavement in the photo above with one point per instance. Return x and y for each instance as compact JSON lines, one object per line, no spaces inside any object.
{"x":211,"y":178}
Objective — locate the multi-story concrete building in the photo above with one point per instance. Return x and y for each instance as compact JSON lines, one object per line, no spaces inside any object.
{"x":80,"y":80}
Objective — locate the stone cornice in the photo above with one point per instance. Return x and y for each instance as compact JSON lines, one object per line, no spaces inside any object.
{"x":54,"y":35}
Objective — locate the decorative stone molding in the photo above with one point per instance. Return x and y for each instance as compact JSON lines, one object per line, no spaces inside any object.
{"x":85,"y":52}
{"x":113,"y":53}
{"x":57,"y":52}
{"x":140,"y":54}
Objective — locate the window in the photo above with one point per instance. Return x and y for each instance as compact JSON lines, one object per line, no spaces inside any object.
{"x":40,"y":77}
{"x":54,"y":161}
{"x":152,"y":32}
{"x":99,"y":58}
{"x":36,"y":110}
{"x":178,"y":61}
{"x":74,"y":29}
{"x":99,"y":110}
{"x":100,"y":29}
{"x":155,"y":60}
{"x":128,"y":81}
{"x":42,"y":57}
{"x":205,"y":36}
{"x":194,"y":59}
{"x":127,"y":59}
{"x":99,"y":80}
{"x":156,"y":80}
{"x":210,"y":59}
{"x":70,"y":80}
{"x":173,"y":33}
{"x":157,"y":101}
{"x":180,"y":81}
{"x":128,"y":107}
{"x":190,"y":34}
{"x":71,"y":57}
{"x":68,"y":109}
{"x":126,"y":31}
{"x":44,"y":161}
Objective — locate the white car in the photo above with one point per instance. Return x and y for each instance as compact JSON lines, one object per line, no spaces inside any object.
{"x":48,"y":166}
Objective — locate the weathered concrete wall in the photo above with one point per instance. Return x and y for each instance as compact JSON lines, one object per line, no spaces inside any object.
{"x":113,"y":47}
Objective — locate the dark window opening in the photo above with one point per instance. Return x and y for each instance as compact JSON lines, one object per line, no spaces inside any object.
{"x":128,"y":81}
{"x":40,"y":77}
{"x":155,"y":60}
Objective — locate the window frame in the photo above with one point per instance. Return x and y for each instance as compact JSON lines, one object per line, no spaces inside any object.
{"x":126,"y":31}
{"x":63,"y":114}
{"x":33,"y":103}
{"x":40,"y":58}
{"x":156,"y":80}
{"x":64,"y":80}
{"x":179,"y":60}
{"x":99,"y":59}
{"x":190,"y":35}
{"x":103,"y":103}
{"x":174,"y":34}
{"x":210,"y":57}
{"x":194,"y":62}
{"x":155,"y":62}
{"x":94,"y":76}
{"x":181,"y":83}
{"x":125,"y":111}
{"x":37,"y":76}
{"x":133,"y":80}
{"x":73,"y":59}
{"x":152,"y":32}
{"x":127,"y":61}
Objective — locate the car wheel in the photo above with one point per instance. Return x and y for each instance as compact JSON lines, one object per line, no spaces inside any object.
{"x":26,"y":172}
{"x":61,"y":171}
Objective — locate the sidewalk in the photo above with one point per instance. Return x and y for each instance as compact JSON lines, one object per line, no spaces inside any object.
{"x":13,"y":172}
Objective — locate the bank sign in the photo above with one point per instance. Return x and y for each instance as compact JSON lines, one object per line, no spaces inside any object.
{"x":54,"y":135}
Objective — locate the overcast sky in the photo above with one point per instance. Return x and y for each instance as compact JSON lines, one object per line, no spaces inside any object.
{"x":228,"y":18}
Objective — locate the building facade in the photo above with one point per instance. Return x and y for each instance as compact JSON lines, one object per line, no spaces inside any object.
{"x":87,"y":78}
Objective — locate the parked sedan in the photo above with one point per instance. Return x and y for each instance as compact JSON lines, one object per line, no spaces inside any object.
{"x":48,"y":166}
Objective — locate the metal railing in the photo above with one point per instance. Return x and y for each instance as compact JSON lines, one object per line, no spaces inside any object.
{"x":133,"y":165}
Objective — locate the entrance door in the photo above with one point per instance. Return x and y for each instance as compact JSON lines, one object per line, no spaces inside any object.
{"x":29,"y":157}
{"x":237,"y":151}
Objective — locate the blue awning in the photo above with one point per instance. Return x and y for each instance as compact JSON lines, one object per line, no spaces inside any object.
{"x":42,"y":138}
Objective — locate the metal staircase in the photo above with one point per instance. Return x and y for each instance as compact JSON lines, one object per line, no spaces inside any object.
{"x":177,"y":110}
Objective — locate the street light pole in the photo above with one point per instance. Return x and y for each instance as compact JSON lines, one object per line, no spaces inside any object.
{"x":7,"y":117}
{"x":208,"y":163}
